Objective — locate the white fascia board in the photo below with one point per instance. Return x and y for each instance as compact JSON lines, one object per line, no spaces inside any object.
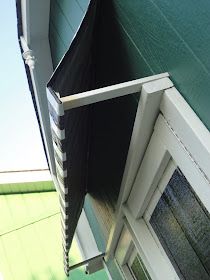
{"x":40,"y":76}
{"x":35,"y":22}
{"x":35,"y":19}
{"x":25,"y":20}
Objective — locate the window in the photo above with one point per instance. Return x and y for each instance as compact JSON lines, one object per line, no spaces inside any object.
{"x":137,"y":268}
{"x":166,"y":214}
{"x":182,"y":226}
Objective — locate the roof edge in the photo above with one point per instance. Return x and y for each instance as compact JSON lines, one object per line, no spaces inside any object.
{"x":28,"y":74}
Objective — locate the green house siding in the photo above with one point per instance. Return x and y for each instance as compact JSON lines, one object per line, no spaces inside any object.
{"x":65,"y":18}
{"x":151,"y":37}
{"x":141,"y":38}
{"x":95,"y":225}
{"x":100,"y":238}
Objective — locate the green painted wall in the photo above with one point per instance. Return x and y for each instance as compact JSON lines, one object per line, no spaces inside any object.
{"x":100,"y":237}
{"x":65,"y":18}
{"x":147,"y":37}
{"x":95,"y":225}
{"x":140,"y":38}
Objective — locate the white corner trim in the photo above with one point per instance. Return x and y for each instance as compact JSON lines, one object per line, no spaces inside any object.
{"x":146,"y":116}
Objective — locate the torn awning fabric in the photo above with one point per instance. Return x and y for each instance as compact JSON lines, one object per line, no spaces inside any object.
{"x":70,"y":128}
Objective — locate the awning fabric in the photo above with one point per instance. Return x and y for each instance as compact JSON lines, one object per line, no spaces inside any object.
{"x":70,"y":129}
{"x":91,"y":136}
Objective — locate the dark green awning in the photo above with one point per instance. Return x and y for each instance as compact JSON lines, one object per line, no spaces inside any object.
{"x":90,"y":140}
{"x":70,"y":130}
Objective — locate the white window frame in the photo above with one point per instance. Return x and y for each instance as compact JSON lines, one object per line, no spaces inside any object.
{"x":165,"y":144}
{"x":178,"y":136}
{"x":129,"y":258}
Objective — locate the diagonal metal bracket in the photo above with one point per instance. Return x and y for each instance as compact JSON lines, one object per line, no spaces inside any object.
{"x":93,"y":264}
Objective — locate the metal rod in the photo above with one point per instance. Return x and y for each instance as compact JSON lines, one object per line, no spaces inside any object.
{"x":86,"y":261}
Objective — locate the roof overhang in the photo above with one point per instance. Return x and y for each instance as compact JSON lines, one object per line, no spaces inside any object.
{"x":33,"y":26}
{"x":35,"y":20}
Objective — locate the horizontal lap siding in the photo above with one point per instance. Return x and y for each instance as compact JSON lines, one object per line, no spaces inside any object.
{"x":140,"y":38}
{"x":99,"y":234}
{"x":65,"y":18}
{"x":169,"y":36}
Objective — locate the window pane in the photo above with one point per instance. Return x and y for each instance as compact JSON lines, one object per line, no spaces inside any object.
{"x":182,"y":225}
{"x":139,"y":270}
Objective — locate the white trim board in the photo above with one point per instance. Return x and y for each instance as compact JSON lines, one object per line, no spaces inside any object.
{"x":147,"y":112}
{"x":35,"y":19}
{"x":109,"y":92}
{"x":148,"y":249}
{"x":189,"y":128}
{"x":193,"y":139}
{"x":35,"y":25}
